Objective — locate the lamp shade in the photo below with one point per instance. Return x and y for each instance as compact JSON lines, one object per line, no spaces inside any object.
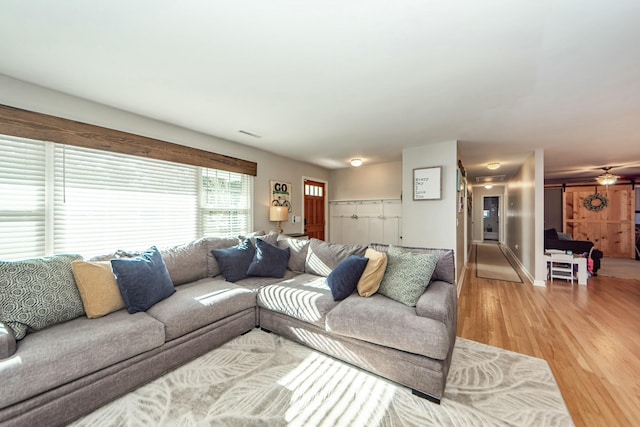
{"x":278,"y":213}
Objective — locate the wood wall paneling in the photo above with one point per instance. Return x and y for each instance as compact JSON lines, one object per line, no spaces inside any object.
{"x":612,"y":229}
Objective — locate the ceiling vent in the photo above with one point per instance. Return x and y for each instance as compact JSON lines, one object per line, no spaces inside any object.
{"x":250,"y":134}
{"x":492,"y":178}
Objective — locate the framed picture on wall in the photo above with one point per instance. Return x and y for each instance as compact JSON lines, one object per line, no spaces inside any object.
{"x":427,"y":183}
{"x":280,"y":194}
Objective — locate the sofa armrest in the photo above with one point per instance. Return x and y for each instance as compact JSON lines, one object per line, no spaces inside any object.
{"x":7,"y":342}
{"x":439,"y":302}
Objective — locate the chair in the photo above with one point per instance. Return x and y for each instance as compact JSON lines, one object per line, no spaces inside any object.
{"x":561,"y":267}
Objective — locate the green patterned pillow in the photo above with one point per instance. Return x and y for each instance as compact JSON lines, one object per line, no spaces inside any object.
{"x":36,"y":293}
{"x":407,"y":276}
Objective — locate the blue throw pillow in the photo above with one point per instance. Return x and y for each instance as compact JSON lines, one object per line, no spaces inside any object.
{"x":235,"y":261}
{"x":344,"y":278}
{"x":143,"y":281}
{"x":269,"y":260}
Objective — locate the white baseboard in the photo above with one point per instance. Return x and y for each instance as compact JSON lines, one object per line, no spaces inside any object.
{"x":524,"y":271}
{"x":461,"y":278}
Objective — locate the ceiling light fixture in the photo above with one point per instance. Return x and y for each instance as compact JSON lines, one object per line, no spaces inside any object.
{"x":607,"y":178}
{"x":493,"y":165}
{"x":488,"y":186}
{"x":356,"y":162}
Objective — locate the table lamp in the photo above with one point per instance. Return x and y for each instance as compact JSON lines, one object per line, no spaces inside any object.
{"x":279,"y":214}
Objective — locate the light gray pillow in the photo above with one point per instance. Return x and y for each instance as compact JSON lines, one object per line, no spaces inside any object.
{"x":298,"y":252}
{"x":407,"y":276}
{"x":271,"y":238}
{"x":39,"y":292}
{"x":323,"y":257}
{"x":186,"y":263}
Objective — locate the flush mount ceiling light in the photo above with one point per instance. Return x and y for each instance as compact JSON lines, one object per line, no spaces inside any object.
{"x":356,"y":162}
{"x":488,"y":186}
{"x":493,"y":165}
{"x":607,"y":178}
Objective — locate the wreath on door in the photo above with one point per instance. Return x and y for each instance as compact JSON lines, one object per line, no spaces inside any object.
{"x":596,"y":202}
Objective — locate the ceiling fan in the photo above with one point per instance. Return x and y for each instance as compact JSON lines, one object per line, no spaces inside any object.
{"x":607,"y":178}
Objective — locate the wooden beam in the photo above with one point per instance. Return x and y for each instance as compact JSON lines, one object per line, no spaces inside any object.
{"x":32,"y":125}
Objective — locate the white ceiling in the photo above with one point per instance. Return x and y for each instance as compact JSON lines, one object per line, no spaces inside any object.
{"x":327,"y":81}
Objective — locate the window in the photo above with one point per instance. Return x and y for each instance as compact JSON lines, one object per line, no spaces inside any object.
{"x":64,"y":199}
{"x":22,"y":198}
{"x":313,"y":190}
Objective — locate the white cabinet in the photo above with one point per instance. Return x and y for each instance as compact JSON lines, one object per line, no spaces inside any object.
{"x":360,"y":222}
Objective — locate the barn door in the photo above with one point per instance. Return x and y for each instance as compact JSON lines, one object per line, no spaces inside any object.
{"x":314,"y":220}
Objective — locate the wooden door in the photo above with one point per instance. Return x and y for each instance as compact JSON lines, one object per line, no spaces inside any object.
{"x":314,"y":219}
{"x":611,"y":228}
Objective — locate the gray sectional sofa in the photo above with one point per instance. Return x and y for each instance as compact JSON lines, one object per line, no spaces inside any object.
{"x":61,"y":372}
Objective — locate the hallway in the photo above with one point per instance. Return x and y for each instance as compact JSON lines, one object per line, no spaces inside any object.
{"x":588,"y":334}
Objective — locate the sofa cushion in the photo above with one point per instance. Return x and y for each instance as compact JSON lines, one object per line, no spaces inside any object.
{"x":269,"y":260}
{"x":439,"y":302}
{"x":445,"y":268}
{"x":407,"y":276}
{"x":143,"y":281}
{"x":323,"y":257}
{"x":344,"y":278}
{"x":39,"y":292}
{"x":70,"y":350}
{"x":270,"y":237}
{"x":255,"y":282}
{"x":369,"y":282}
{"x":383,"y":321}
{"x":7,"y":341}
{"x":305,"y":297}
{"x":298,"y":252}
{"x":201,"y":303}
{"x":186,"y":263}
{"x":98,"y":288}
{"x":213,"y":268}
{"x":551,"y":233}
{"x":235,"y":261}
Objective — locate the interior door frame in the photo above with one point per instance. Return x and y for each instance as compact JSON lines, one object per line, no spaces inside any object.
{"x":326,"y":203}
{"x":501,"y":217}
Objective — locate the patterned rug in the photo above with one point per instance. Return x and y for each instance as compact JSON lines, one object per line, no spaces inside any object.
{"x":262,"y":379}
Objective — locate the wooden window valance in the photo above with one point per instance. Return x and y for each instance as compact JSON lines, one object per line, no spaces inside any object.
{"x":32,"y":125}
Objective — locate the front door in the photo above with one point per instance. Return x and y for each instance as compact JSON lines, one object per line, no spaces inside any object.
{"x":314,"y":220}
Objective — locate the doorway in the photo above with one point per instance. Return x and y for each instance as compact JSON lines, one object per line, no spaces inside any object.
{"x":314,"y":209}
{"x":491,"y":218}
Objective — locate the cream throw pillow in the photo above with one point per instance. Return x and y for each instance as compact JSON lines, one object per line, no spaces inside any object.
{"x":98,"y":288}
{"x":370,"y":280}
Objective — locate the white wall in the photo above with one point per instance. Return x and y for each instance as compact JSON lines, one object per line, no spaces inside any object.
{"x":23,"y":95}
{"x":369,"y":182}
{"x":521,"y":215}
{"x":430,"y":223}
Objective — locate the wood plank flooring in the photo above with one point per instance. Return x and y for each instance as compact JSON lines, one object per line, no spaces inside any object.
{"x":589,"y":335}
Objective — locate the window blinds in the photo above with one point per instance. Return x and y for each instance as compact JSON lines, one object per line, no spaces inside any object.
{"x":107,"y":201}
{"x":81,"y":200}
{"x":22,"y":198}
{"x":226,"y":203}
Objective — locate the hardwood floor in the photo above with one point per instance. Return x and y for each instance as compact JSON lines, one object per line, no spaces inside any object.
{"x":589,"y":335}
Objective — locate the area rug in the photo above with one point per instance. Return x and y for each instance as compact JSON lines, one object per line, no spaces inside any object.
{"x":262,"y":379}
{"x":620,"y":268}
{"x":491,"y":263}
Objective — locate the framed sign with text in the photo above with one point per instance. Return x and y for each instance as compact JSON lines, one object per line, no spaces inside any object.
{"x":427,"y":183}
